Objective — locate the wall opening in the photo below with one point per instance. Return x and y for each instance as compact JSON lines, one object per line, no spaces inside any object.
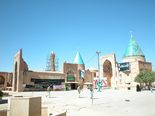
{"x":107,"y":71}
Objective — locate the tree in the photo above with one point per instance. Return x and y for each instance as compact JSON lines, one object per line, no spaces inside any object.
{"x":145,"y":78}
{"x":1,"y":94}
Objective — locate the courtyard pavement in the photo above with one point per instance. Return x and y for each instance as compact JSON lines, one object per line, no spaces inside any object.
{"x":108,"y":102}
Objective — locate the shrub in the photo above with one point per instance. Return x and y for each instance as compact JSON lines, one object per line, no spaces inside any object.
{"x":1,"y":94}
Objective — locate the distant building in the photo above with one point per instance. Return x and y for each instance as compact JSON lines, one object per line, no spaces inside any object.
{"x":75,"y":73}
{"x":6,"y":80}
{"x":23,"y":79}
{"x":112,"y":73}
{"x":123,"y":74}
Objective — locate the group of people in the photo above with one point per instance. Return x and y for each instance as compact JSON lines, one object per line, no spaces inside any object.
{"x":90,"y":88}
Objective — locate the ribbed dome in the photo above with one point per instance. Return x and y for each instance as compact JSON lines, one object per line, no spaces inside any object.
{"x":78,"y":59}
{"x":133,"y":49}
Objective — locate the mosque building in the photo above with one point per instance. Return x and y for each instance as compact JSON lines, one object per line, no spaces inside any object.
{"x":76,"y":74}
{"x":123,"y":74}
{"x":112,"y":73}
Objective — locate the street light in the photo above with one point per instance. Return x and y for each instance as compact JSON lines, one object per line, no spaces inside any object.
{"x":98,"y":54}
{"x":99,"y":81}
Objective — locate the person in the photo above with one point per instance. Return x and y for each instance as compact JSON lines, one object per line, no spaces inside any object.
{"x":151,"y":89}
{"x":49,"y":91}
{"x":79,"y":90}
{"x":99,"y":85}
{"x":91,"y":92}
{"x":128,"y":86}
{"x":138,"y":89}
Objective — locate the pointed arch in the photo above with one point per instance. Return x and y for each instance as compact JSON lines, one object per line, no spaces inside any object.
{"x":107,"y":71}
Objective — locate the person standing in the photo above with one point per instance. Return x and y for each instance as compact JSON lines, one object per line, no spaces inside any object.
{"x":91,"y":92}
{"x":49,"y":91}
{"x":79,"y":90}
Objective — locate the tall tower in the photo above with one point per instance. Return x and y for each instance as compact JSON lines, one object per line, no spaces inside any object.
{"x":48,"y":63}
{"x":52,"y":61}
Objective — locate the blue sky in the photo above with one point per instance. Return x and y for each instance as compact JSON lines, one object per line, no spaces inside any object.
{"x":67,"y":26}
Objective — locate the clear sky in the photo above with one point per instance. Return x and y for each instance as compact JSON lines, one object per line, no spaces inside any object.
{"x":68,"y":26}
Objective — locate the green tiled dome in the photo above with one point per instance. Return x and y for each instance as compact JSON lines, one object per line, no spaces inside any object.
{"x":133,"y":49}
{"x":78,"y":59}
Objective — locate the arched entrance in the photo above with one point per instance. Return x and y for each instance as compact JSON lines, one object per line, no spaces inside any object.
{"x":107,"y":71}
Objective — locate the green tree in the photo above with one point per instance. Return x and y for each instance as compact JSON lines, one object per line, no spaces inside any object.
{"x":1,"y":94}
{"x":145,"y":78}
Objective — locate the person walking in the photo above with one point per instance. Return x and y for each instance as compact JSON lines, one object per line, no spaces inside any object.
{"x":49,"y":91}
{"x":79,"y":90}
{"x":91,"y":92}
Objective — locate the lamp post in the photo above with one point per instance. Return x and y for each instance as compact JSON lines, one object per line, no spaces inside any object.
{"x":99,"y":81}
{"x":98,"y":54}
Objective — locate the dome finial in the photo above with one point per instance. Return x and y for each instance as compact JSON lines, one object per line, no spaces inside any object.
{"x":131,"y":34}
{"x":133,"y":48}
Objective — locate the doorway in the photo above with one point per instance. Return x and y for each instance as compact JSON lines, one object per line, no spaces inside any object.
{"x":107,"y":71}
{"x":73,"y":86}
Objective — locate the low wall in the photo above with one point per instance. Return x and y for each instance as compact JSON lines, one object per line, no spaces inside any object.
{"x":44,"y":111}
{"x":3,"y":112}
{"x":23,"y":106}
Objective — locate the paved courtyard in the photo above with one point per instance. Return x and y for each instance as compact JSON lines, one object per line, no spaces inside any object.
{"x":106,"y":103}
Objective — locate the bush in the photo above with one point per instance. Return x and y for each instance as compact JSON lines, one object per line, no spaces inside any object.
{"x":1,"y":94}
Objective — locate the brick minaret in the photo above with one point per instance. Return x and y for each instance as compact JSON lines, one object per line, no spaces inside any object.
{"x":52,"y":61}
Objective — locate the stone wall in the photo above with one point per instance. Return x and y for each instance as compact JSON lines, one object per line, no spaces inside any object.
{"x":137,"y":64}
{"x":145,"y":66}
{"x":73,"y":68}
{"x":43,"y":75}
{"x":20,"y":68}
{"x":32,"y":106}
{"x":5,"y":80}
{"x":3,"y":112}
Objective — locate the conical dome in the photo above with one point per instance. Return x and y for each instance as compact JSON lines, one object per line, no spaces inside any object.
{"x":133,"y":49}
{"x":78,"y":59}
